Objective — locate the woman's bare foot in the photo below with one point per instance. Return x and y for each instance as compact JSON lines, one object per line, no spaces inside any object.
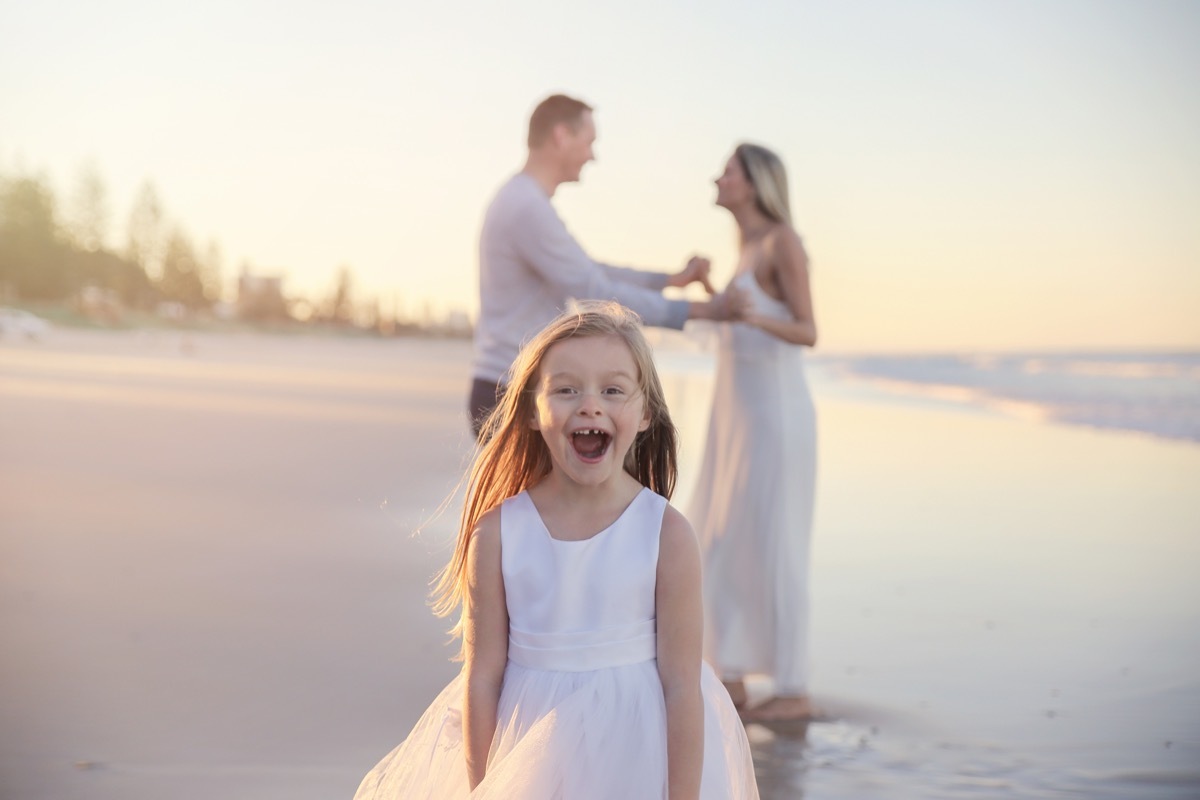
{"x":737,"y":693}
{"x":781,"y":709}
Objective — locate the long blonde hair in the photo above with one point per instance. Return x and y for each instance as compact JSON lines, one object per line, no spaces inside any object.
{"x":768,"y":176}
{"x":514,"y":456}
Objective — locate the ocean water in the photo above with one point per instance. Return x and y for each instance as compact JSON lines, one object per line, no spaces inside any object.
{"x":1151,"y":393}
{"x":1001,"y":609}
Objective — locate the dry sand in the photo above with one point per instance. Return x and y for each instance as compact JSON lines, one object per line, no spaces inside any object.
{"x":210,"y":585}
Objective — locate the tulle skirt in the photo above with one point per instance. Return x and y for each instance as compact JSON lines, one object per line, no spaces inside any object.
{"x":599,"y":735}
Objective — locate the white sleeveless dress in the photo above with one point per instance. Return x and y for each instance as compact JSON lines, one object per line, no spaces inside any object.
{"x":753,"y":503}
{"x":581,"y":713}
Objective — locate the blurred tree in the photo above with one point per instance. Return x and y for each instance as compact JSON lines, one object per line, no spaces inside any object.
{"x":212,"y":272}
{"x":107,"y":270}
{"x":340,"y":306}
{"x":180,"y":278}
{"x":33,"y":259}
{"x":88,"y":217}
{"x":147,"y":240}
{"x":88,"y":231}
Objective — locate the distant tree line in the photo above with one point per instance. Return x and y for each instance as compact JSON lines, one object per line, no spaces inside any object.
{"x":53,"y":253}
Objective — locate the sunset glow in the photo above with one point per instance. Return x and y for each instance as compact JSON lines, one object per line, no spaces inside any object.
{"x":966,"y":176}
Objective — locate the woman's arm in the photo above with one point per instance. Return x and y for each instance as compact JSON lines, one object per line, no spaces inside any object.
{"x":485,"y":643}
{"x":680,"y":637}
{"x":785,"y":253}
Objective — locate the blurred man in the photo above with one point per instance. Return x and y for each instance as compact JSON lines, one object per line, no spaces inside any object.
{"x":530,"y":266}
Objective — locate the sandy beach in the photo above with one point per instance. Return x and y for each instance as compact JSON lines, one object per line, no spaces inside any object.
{"x":214,"y":556}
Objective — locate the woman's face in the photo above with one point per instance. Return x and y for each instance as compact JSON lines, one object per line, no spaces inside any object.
{"x":734,"y":187}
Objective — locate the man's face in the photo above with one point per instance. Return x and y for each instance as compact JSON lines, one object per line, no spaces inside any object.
{"x":575,"y":146}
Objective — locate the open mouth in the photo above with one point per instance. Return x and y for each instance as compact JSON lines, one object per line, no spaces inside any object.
{"x":592,"y":444}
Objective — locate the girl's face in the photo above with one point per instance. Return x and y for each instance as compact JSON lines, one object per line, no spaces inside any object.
{"x":589,"y":407}
{"x":734,"y":187}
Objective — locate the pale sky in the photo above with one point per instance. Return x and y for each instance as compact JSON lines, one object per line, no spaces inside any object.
{"x":966,"y":175}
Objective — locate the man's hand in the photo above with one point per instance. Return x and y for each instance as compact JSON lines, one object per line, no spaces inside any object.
{"x":695,"y":271}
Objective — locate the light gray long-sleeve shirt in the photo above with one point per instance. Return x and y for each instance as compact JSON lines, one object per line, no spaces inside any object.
{"x":530,"y":266}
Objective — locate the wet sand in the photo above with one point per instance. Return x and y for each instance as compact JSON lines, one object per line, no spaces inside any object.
{"x":210,"y":584}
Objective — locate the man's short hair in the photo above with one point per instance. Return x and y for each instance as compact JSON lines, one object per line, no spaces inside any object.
{"x":554,"y":110}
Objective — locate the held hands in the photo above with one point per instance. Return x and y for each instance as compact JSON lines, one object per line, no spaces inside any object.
{"x":735,"y":305}
{"x":695,"y":271}
{"x":731,"y":305}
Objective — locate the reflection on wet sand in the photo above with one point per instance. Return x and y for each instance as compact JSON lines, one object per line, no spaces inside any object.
{"x":780,"y":759}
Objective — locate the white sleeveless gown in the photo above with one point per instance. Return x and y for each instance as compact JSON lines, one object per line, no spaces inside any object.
{"x":581,"y":713}
{"x":753,"y":503}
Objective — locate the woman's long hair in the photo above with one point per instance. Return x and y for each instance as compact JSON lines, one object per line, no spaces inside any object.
{"x":514,"y":456}
{"x":768,"y":176}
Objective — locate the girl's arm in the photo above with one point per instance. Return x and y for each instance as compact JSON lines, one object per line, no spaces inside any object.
{"x":485,"y":643}
{"x":790,"y":261}
{"x":680,"y":637}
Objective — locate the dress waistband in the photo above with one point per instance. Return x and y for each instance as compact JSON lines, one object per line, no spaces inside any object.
{"x":584,"y":650}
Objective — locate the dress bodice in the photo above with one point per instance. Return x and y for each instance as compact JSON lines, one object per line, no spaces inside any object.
{"x":581,"y":605}
{"x":746,"y":343}
{"x":763,"y":303}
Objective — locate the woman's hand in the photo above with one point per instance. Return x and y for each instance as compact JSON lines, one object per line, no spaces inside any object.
{"x":737,"y":305}
{"x":731,"y":305}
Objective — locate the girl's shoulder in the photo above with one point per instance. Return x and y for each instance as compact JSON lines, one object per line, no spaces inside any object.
{"x":489,"y":521}
{"x":488,"y":524}
{"x":678,"y":547}
{"x":676,"y":530}
{"x":483,"y":552}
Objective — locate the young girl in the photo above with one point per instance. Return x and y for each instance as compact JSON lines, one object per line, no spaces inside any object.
{"x":579,"y":589}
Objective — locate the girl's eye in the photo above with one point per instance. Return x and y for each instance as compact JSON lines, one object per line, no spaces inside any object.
{"x":564,"y":390}
{"x":614,"y":390}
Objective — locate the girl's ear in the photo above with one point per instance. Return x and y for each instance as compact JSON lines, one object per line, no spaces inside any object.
{"x":645,"y":423}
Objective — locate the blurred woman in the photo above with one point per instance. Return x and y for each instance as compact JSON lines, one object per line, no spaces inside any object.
{"x":753,"y":504}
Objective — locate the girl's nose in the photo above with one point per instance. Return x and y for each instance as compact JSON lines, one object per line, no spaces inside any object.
{"x":589,"y":404}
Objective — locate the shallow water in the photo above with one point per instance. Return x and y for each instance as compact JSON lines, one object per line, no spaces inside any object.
{"x":1154,"y":393}
{"x":841,"y":759}
{"x":1003,"y":607}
